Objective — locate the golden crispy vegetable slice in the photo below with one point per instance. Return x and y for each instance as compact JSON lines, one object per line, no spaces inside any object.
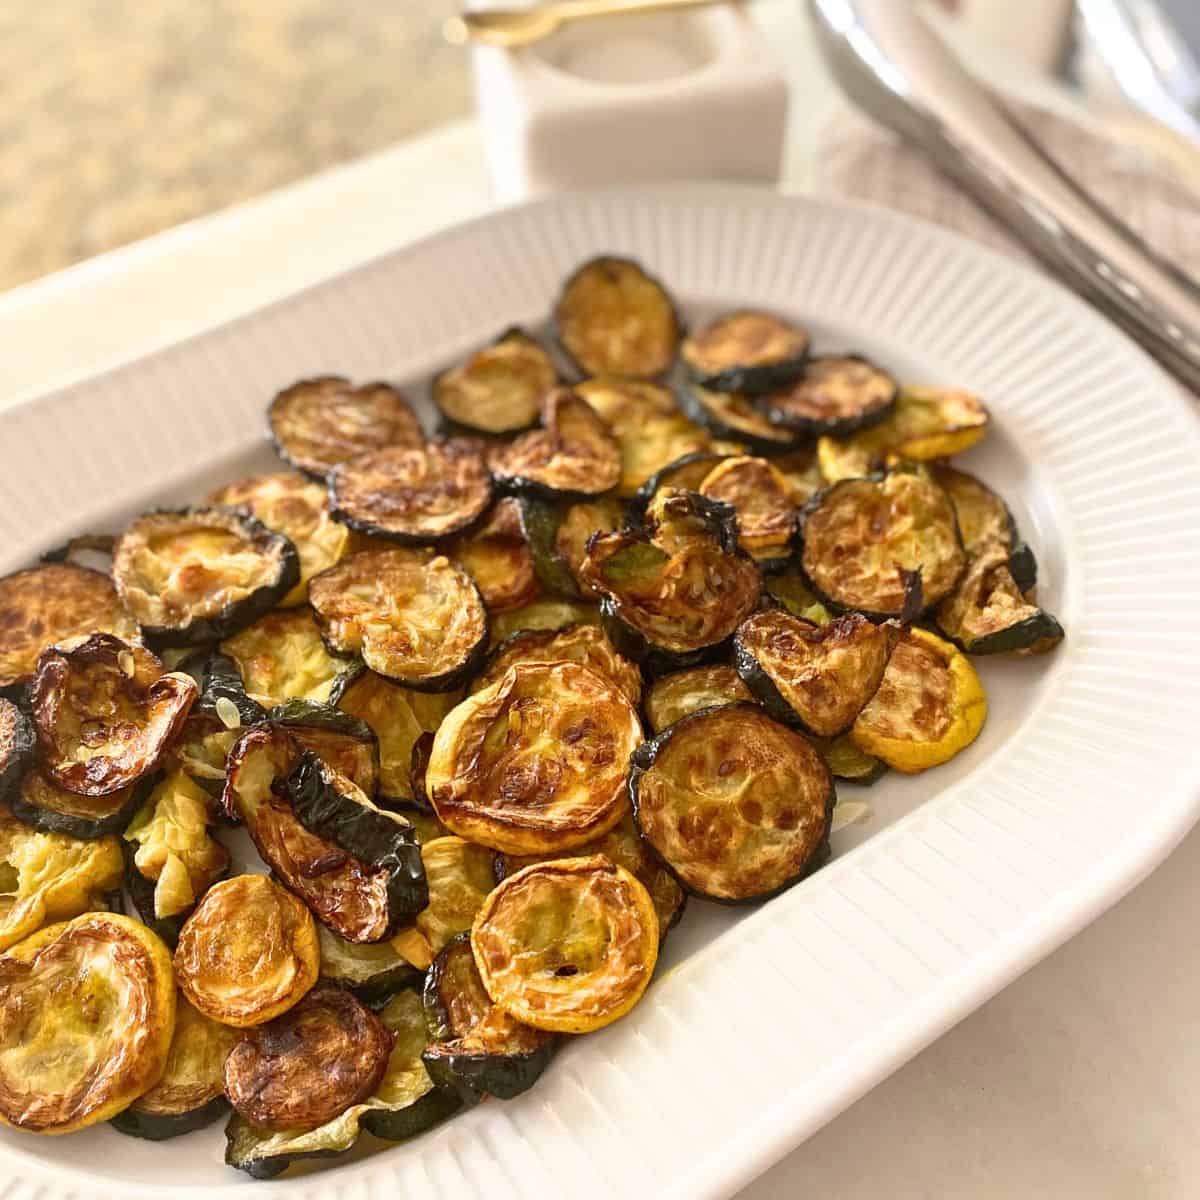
{"x":497,"y":556}
{"x":460,"y":875}
{"x":672,"y":697}
{"x":105,"y":713}
{"x":648,"y":425}
{"x":248,"y":953}
{"x":342,"y":741}
{"x":568,"y":945}
{"x":198,"y":574}
{"x":499,"y":389}
{"x":415,"y":616}
{"x":614,"y":319}
{"x":924,"y":424}
{"x":545,"y":613}
{"x":930,"y":705}
{"x":763,"y":500}
{"x":573,"y":453}
{"x":736,"y":804}
{"x":746,"y":351}
{"x":862,"y":539}
{"x":558,"y":532}
{"x":734,"y":415}
{"x":536,"y":762}
{"x":309,"y":1065}
{"x":50,"y":877}
{"x":191,"y":1092}
{"x":318,"y":423}
{"x":53,"y":603}
{"x":412,"y":495}
{"x":298,"y":508}
{"x":87,"y":1010}
{"x":685,"y":474}
{"x":835,"y":395}
{"x":819,"y":677}
{"x":45,"y":805}
{"x":587,"y":645}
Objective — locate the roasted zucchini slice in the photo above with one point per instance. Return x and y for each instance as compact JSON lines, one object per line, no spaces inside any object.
{"x":373,"y":973}
{"x":105,"y":713}
{"x":298,"y":508}
{"x":282,"y":657}
{"x":569,"y":945}
{"x":676,"y":592}
{"x":89,"y":1009}
{"x":338,"y":738}
{"x":536,"y":762}
{"x":414,"y":616}
{"x":302,"y":1069}
{"x":558,"y":534}
{"x":627,"y":849}
{"x":863,"y":538}
{"x":790,"y":589}
{"x":986,"y":613}
{"x":587,"y":645}
{"x":672,"y":697}
{"x":685,"y":474}
{"x":648,"y":425}
{"x":819,"y":677}
{"x":248,"y":953}
{"x":844,"y":758}
{"x":412,"y":495}
{"x":405,"y":1103}
{"x":356,"y":866}
{"x":614,"y":319}
{"x":50,"y":877}
{"x":398,"y":717}
{"x":736,"y":804}
{"x":747,"y":351}
{"x":52,"y":603}
{"x":497,"y":556}
{"x":573,"y":454}
{"x":46,"y":806}
{"x":17,"y":741}
{"x":191,"y":1092}
{"x":499,"y":389}
{"x":195,"y":575}
{"x":834,"y":395}
{"x":479,"y":1050}
{"x":763,"y":501}
{"x":924,"y":424}
{"x":733,"y":415}
{"x":546,"y":613}
{"x":318,"y":423}
{"x":172,"y":859}
{"x":930,"y":705}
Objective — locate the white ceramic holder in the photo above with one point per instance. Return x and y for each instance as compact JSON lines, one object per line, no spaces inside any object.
{"x":678,"y":95}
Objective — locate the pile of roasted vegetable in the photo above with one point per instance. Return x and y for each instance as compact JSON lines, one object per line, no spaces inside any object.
{"x":488,"y":706}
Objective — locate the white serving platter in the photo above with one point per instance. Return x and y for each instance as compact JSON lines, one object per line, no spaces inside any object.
{"x":768,"y":1021}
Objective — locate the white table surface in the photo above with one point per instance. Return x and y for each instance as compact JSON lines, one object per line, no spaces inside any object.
{"x":1082,"y":1079}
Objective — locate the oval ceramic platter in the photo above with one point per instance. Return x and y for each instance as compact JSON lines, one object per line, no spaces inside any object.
{"x":765,"y":1023}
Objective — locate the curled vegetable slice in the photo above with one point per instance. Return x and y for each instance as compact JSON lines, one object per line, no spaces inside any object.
{"x":413,"y":495}
{"x":17,"y":741}
{"x":499,"y":389}
{"x":930,"y":705}
{"x":339,"y":739}
{"x":835,"y":395}
{"x":415,"y":616}
{"x":53,"y":603}
{"x":191,"y":1092}
{"x":672,"y":697}
{"x":309,"y":1065}
{"x":573,"y":454}
{"x":746,"y":351}
{"x":764,"y":502}
{"x":87,"y":1009}
{"x":736,"y":804}
{"x":862,"y":539}
{"x":497,"y":556}
{"x":318,"y":423}
{"x":105,"y":713}
{"x":536,"y":762}
{"x":567,"y":946}
{"x":733,"y":415}
{"x":587,"y":645}
{"x":819,"y":677}
{"x":558,"y":534}
{"x":248,"y":952}
{"x":614,"y":319}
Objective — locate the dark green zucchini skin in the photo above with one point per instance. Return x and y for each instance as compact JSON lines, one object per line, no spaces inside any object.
{"x":1022,"y":563}
{"x":218,"y":678}
{"x":540,"y":519}
{"x":1040,"y":627}
{"x":49,"y":821}
{"x":158,"y":1127}
{"x":365,"y":833}
{"x":16,"y":756}
{"x":762,"y":446}
{"x":398,"y":1125}
{"x":314,"y":714}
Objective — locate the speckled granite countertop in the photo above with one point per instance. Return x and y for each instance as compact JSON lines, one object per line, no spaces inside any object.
{"x":121,"y":118}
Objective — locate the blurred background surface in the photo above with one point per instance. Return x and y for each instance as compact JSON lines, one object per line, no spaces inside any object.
{"x":121,"y":117}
